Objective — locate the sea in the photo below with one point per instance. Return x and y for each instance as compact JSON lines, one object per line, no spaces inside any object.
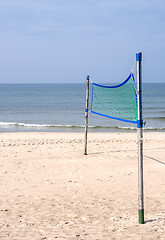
{"x":61,"y":108}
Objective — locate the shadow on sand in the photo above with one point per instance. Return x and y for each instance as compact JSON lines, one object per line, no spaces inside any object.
{"x":155,"y":220}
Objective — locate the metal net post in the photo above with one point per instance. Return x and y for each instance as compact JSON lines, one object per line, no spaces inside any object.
{"x":86,"y":114}
{"x":140,"y":137}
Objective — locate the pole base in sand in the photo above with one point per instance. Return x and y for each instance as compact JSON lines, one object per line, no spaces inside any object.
{"x":141,"y":216}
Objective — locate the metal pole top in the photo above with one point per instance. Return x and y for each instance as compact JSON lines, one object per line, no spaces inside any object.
{"x":139,"y":56}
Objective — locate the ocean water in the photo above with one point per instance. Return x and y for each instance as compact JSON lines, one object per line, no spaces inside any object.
{"x":61,"y":107}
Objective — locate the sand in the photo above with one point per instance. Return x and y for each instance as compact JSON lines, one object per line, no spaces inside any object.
{"x":50,"y":190}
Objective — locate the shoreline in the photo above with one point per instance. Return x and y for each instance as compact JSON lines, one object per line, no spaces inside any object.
{"x":51,"y":190}
{"x":74,"y":129}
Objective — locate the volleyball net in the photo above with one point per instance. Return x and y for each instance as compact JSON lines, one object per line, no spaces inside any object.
{"x":121,"y":102}
{"x":117,"y":102}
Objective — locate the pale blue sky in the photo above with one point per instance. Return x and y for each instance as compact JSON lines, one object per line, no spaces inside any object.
{"x":50,"y":41}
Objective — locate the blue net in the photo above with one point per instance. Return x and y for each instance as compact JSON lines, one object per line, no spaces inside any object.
{"x":117,"y":102}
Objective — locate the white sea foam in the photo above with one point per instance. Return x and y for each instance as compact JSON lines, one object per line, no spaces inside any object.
{"x":34,"y":125}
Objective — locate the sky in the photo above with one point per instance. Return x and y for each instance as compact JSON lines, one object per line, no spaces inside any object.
{"x":61,"y":41}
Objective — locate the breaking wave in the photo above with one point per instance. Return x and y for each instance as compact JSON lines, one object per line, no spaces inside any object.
{"x":45,"y":126}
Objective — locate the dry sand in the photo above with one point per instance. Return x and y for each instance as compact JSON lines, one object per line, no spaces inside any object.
{"x":50,"y":190}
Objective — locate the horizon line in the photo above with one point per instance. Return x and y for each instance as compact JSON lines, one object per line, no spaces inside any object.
{"x":67,"y":82}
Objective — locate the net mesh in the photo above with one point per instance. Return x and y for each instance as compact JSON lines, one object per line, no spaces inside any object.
{"x":118,"y":102}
